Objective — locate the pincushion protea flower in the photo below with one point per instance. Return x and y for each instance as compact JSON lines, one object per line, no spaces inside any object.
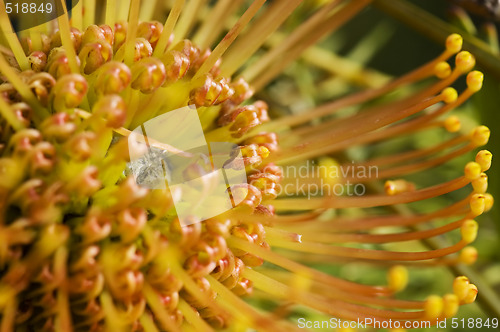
{"x":84,"y":248}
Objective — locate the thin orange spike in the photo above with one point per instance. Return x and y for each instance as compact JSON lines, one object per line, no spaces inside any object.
{"x":229,"y":38}
{"x":265,"y":25}
{"x":215,"y":22}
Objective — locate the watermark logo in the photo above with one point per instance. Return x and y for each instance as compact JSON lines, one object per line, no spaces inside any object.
{"x":313,"y":179}
{"x":205,"y":179}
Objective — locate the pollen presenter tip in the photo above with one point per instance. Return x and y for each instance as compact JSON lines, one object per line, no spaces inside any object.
{"x":397,"y":278}
{"x":472,"y":170}
{"x":442,"y":70}
{"x":484,"y":158}
{"x":454,"y":43}
{"x":468,"y":255}
{"x":464,"y":62}
{"x":449,"y":95}
{"x":452,"y":124}
{"x":475,"y":80}
{"x":468,"y":230}
{"x":433,"y":306}
{"x":480,"y":135}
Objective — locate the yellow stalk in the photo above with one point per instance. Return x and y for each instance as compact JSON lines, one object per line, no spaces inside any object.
{"x":147,"y":10}
{"x":63,"y":320}
{"x":215,"y":22}
{"x":133,"y":22}
{"x":241,"y":310}
{"x":113,"y":319}
{"x":110,"y":13}
{"x":133,"y":102}
{"x":76,"y":16}
{"x":168,"y":28}
{"x":9,"y":316}
{"x":186,"y":327}
{"x":36,"y":38}
{"x":187,"y":19}
{"x":193,"y":318}
{"x":148,"y":324}
{"x":89,"y":13}
{"x":12,"y":39}
{"x":24,"y":90}
{"x":67,"y":43}
{"x":151,"y":105}
{"x":229,"y":38}
{"x":189,"y":284}
{"x":8,"y":115}
{"x":158,"y":309}
{"x":123,"y":10}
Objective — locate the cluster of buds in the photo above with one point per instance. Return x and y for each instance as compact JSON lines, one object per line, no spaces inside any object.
{"x":62,"y":179}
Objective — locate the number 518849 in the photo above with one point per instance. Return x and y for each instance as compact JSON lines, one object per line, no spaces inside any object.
{"x":474,"y":323}
{"x":28,"y":8}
